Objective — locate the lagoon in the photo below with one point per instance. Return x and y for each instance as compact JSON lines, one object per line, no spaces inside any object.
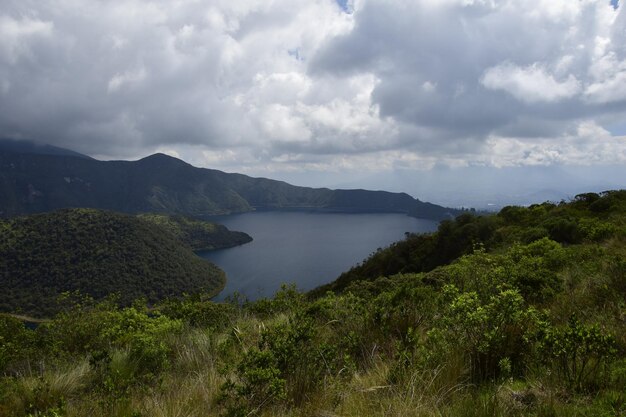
{"x":305,"y":248}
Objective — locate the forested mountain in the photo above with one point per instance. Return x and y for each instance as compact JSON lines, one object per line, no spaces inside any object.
{"x":99,"y":253}
{"x":40,"y":182}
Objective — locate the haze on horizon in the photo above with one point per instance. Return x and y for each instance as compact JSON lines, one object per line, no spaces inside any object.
{"x":459,"y":102}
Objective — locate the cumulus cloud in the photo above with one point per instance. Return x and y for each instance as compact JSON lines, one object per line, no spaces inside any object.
{"x":531,"y":84}
{"x":258,"y":86}
{"x":589,"y":144}
{"x":463,"y":78}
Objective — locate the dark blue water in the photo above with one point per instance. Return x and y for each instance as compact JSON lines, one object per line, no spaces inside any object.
{"x":308,"y":249}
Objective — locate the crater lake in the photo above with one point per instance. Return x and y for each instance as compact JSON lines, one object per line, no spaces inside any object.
{"x":305,"y":248}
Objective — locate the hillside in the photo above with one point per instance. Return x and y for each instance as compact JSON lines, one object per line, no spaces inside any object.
{"x":199,"y":235}
{"x":37,"y":182}
{"x":588,"y":217}
{"x":522,"y":316}
{"x":99,"y":253}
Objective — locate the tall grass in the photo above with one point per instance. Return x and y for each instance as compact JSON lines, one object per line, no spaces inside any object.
{"x":52,"y":388}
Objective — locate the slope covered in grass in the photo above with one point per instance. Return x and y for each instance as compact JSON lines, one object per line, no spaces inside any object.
{"x":97,"y":253}
{"x":529,"y":322}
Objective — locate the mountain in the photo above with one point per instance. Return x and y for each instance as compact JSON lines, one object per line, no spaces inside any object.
{"x":37,"y":182}
{"x":25,"y":146}
{"x":98,"y":253}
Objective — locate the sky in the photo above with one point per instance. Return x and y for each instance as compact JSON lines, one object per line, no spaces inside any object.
{"x":453,"y":101}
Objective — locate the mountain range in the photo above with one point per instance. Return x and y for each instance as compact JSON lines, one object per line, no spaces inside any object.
{"x":41,"y":178}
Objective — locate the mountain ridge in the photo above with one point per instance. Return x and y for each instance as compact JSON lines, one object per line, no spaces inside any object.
{"x":34,"y":182}
{"x":26,"y":146}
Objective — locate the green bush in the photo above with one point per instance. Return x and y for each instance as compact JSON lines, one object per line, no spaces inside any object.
{"x":596,"y":230}
{"x":16,"y":342}
{"x":533,"y":269}
{"x":578,"y":353}
{"x":563,"y":230}
{"x":490,"y":331}
{"x":199,"y":313}
{"x":258,"y":384}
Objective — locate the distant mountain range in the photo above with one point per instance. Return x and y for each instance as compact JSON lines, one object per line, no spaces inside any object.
{"x":42,"y":178}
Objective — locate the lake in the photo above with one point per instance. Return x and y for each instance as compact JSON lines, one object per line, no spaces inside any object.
{"x":308,"y":249}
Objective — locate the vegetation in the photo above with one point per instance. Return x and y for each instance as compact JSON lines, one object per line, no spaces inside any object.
{"x":38,"y":179}
{"x":522,"y":316}
{"x":99,"y":253}
{"x":199,"y":235}
{"x":589,"y":218}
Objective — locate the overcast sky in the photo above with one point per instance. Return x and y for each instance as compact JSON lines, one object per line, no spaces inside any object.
{"x":424,"y":96}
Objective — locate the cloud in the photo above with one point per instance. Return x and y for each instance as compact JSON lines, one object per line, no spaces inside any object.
{"x":589,"y":144}
{"x":531,"y":84}
{"x":610,"y":90}
{"x":18,"y":34}
{"x":125,"y":78}
{"x":455,"y":74}
{"x":288,"y":85}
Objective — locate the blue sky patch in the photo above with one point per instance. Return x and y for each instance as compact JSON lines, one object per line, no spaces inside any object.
{"x":346,"y":7}
{"x":617,"y":129}
{"x":296,"y":54}
{"x":615,"y":3}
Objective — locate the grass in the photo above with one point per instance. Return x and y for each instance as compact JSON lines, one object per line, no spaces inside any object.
{"x":495,"y":333}
{"x":191,"y":385}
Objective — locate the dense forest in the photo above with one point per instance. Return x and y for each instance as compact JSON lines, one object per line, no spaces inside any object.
{"x":521,"y":313}
{"x":197,"y":234}
{"x":98,"y":253}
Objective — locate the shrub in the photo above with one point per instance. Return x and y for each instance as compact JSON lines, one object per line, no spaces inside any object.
{"x":596,"y":230}
{"x":144,"y":336}
{"x":563,"y":230}
{"x":199,"y":313}
{"x":577,"y":352}
{"x":531,"y":234}
{"x":532,"y":269}
{"x":492,"y":332}
{"x":16,"y":341}
{"x":258,"y":384}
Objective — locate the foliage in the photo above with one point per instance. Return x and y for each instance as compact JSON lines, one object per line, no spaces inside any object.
{"x":259,"y":384}
{"x":577,"y":352}
{"x":199,"y":235}
{"x":96,"y":253}
{"x":507,"y":322}
{"x":590,"y":217}
{"x":492,"y":331}
{"x":198,"y":312}
{"x":421,"y":253}
{"x":16,"y":342}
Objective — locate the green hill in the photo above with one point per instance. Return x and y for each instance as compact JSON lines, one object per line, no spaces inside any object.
{"x":39,"y":182}
{"x":590,"y":216}
{"x":197,"y":234}
{"x":99,"y":253}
